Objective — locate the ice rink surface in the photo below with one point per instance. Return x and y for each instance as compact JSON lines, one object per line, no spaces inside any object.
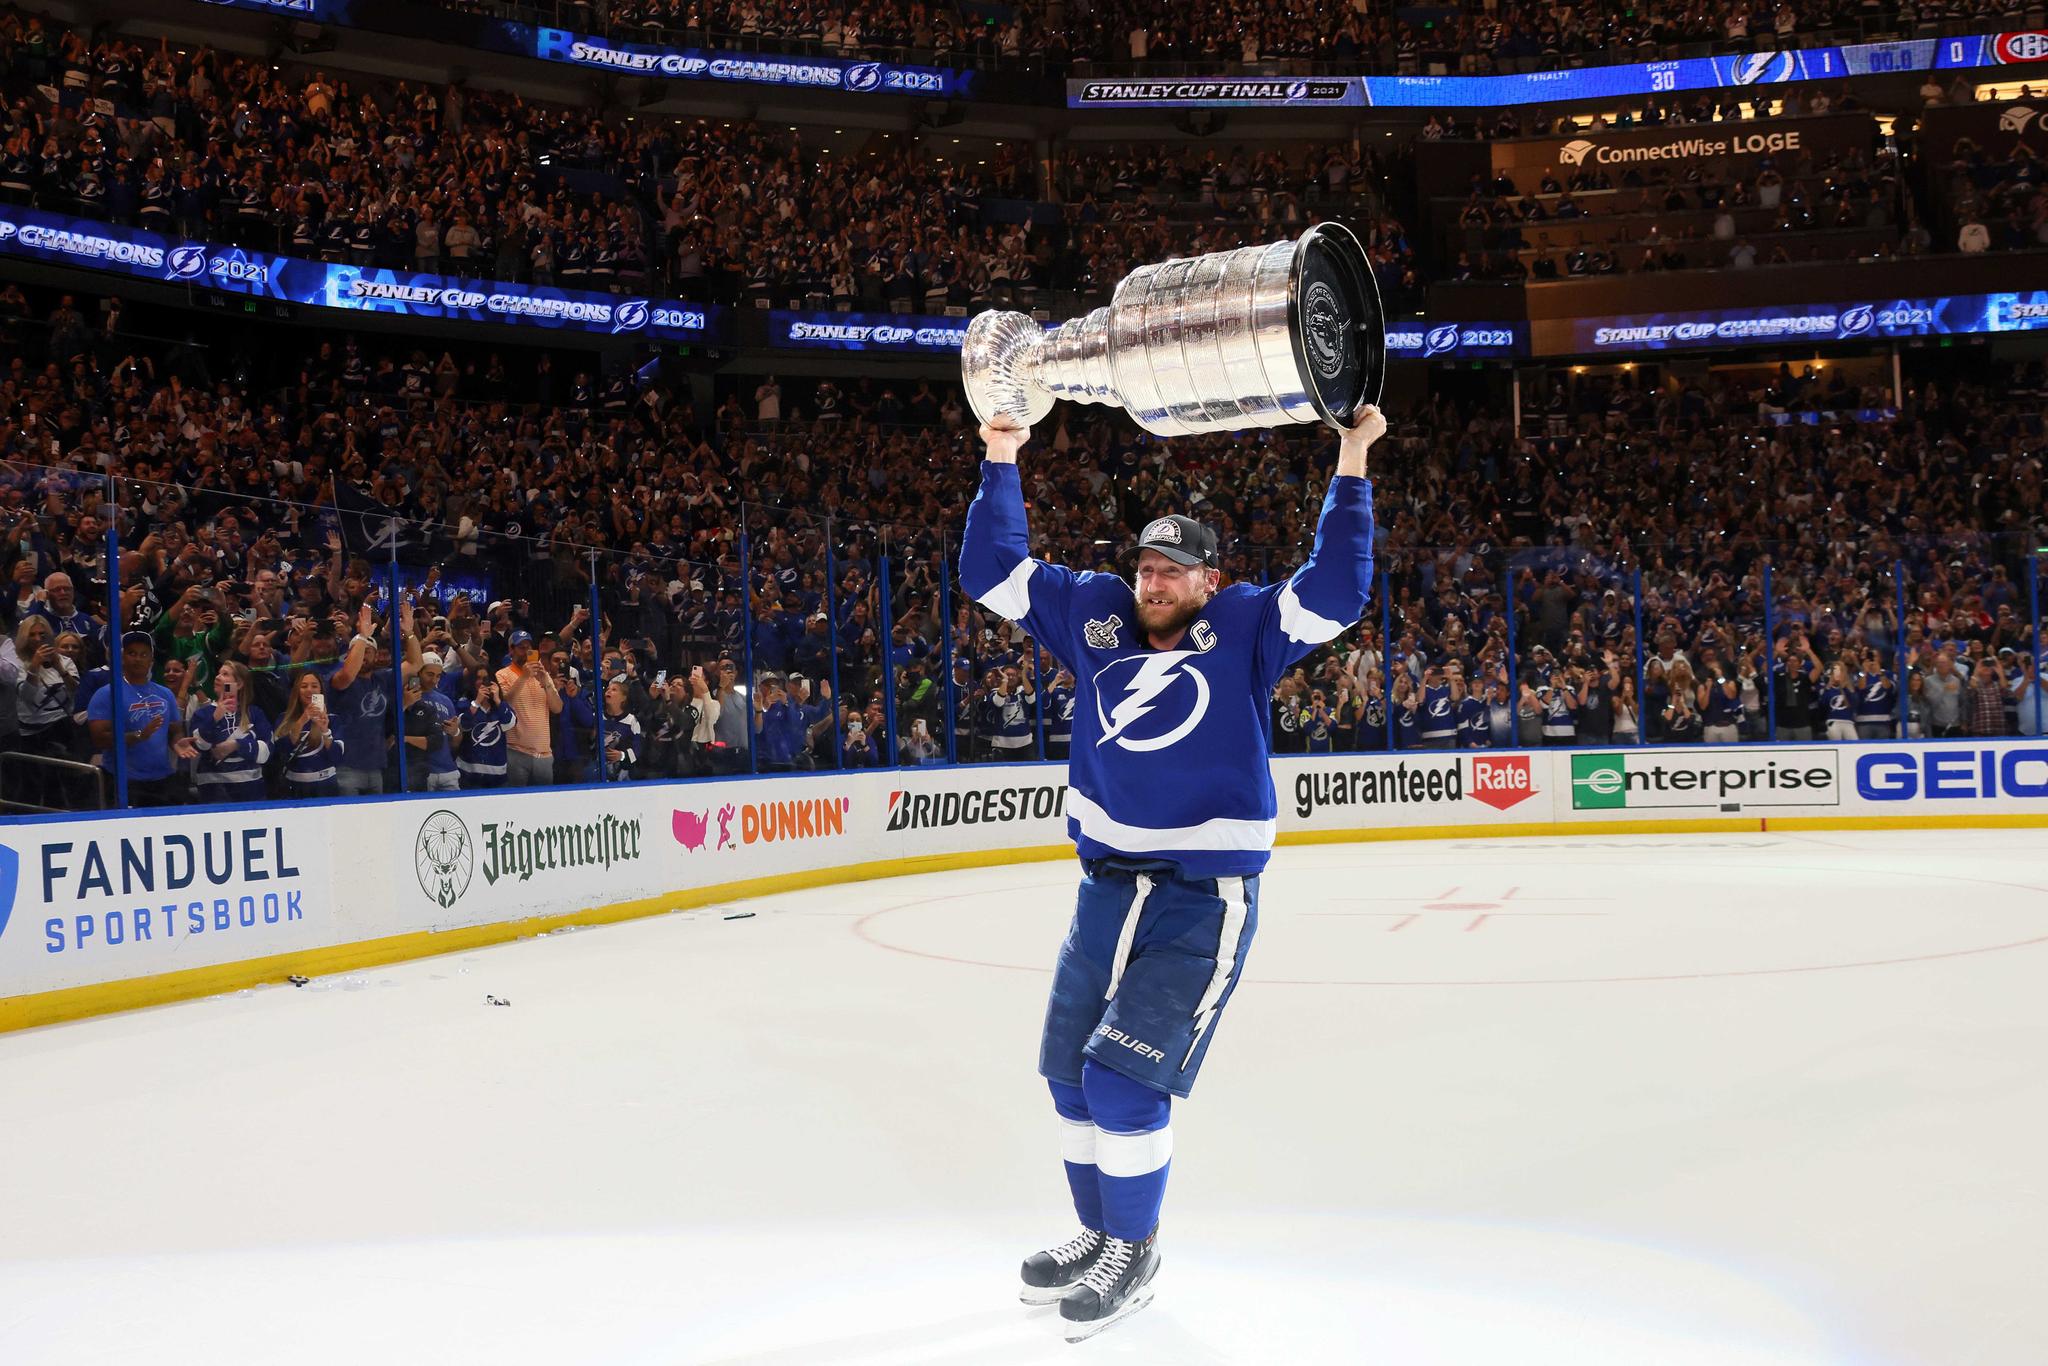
{"x":1650,"y":1101}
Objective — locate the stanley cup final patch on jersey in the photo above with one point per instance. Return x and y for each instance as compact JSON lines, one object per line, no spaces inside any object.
{"x":1164,"y":531}
{"x":1101,"y":635}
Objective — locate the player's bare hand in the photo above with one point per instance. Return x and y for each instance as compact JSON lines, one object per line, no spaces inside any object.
{"x":1004,"y":442}
{"x":1369,"y":425}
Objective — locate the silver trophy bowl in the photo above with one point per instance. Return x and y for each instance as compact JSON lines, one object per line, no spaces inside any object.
{"x":1257,"y":337}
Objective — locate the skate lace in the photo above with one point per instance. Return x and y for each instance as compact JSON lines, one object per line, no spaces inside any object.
{"x":1110,"y":1267}
{"x":1082,"y":1244}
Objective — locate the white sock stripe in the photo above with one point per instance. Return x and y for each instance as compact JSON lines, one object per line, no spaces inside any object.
{"x":1011,"y":599}
{"x":1129,"y":934}
{"x":1133,"y":1154}
{"x":1077,"y":1141}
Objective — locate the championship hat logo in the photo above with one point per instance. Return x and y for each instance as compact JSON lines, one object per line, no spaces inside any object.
{"x":1165,"y":530}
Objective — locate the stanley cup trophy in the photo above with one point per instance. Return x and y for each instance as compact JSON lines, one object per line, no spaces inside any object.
{"x":1257,"y":337}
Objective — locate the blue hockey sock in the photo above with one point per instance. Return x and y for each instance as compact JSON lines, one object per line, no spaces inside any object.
{"x":1133,"y":1147}
{"x":1077,"y":1151}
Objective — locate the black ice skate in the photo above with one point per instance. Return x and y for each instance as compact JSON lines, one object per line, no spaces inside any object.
{"x":1117,"y":1286}
{"x":1050,"y":1274}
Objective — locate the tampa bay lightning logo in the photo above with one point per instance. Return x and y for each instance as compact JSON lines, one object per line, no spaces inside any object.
{"x":1762,"y":68}
{"x":1856,"y":321}
{"x":185,"y":263}
{"x":1154,"y":700}
{"x":1297,"y":90}
{"x":630,"y":316}
{"x":1440,"y":340}
{"x":10,"y":868}
{"x":862,"y":76}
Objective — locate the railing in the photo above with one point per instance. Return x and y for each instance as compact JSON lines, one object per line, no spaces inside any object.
{"x":38,"y":783}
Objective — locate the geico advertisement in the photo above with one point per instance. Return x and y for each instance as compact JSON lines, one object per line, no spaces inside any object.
{"x":1944,"y":777}
{"x":1415,"y":787}
{"x":94,"y":901}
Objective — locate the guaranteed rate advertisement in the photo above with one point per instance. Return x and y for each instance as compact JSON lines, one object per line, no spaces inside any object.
{"x":93,"y":245}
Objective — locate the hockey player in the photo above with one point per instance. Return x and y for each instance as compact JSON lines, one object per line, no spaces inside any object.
{"x":1171,"y":808}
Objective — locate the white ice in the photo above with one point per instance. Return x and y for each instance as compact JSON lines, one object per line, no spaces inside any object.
{"x":1646,"y":1101}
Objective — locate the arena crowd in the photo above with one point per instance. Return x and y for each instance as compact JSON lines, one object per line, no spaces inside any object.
{"x":544,"y":517}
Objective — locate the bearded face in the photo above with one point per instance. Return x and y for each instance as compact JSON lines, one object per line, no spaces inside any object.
{"x":1170,"y":595}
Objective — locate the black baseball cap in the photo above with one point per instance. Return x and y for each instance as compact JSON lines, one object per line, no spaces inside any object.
{"x":1180,"y":539}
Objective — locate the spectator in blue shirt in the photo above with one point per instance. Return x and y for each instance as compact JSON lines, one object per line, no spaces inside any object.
{"x":1877,"y":700}
{"x":779,"y":728}
{"x":360,"y":694}
{"x":430,"y":730}
{"x":152,"y":727}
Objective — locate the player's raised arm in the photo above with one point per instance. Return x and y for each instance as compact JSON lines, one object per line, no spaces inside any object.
{"x":1328,"y":593}
{"x":996,"y":567}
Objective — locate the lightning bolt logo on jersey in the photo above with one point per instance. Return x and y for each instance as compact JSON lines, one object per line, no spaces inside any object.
{"x":1153,"y":685}
{"x":1168,"y":757}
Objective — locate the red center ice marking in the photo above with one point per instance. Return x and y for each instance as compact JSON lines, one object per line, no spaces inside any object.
{"x":1443,"y":902}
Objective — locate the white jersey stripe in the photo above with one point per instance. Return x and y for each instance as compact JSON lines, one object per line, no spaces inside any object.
{"x":1222,"y":832}
{"x":1302,"y":625}
{"x":1011,"y":599}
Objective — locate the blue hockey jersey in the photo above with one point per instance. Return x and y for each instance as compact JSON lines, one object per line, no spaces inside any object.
{"x":1169,"y":748}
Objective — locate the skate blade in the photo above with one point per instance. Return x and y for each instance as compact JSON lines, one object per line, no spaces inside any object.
{"x":1081,"y":1332}
{"x":1043,"y":1294}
